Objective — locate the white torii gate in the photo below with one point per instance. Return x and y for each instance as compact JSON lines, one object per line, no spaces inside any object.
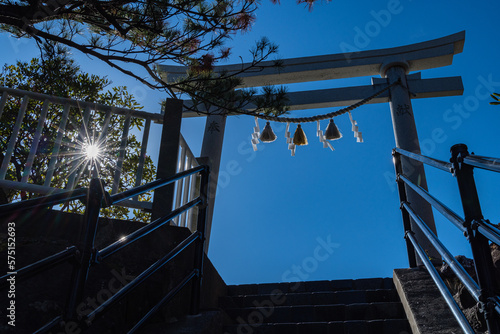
{"x":391,"y":64}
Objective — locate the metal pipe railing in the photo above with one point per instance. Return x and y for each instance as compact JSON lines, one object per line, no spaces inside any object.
{"x":412,"y":258}
{"x":186,"y":160}
{"x":45,"y":201}
{"x":139,"y":279}
{"x":477,"y":230}
{"x":200,"y":251}
{"x":13,"y":138}
{"x":3,"y":100}
{"x":41,"y":265}
{"x":82,"y":104}
{"x":488,"y":231}
{"x":81,"y":270}
{"x":48,"y":326}
{"x":479,"y":244}
{"x":437,"y":204}
{"x":95,"y":197}
{"x":181,"y":166}
{"x":76,"y":171}
{"x":457,"y":268}
{"x":76,"y":165}
{"x":455,"y":309}
{"x":34,"y":144}
{"x":57,"y":145}
{"x":142,"y":156}
{"x":164,"y":300}
{"x":185,"y":195}
{"x":121,"y":154}
{"x":446,"y":166}
{"x":491,"y":164}
{"x":143,"y":231}
{"x":153,"y":185}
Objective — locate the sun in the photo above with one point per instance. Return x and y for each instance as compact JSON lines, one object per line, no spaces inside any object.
{"x":89,"y":154}
{"x":92,"y":151}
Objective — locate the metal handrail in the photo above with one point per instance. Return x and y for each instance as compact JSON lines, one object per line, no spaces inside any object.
{"x":153,"y":185}
{"x":491,"y":164}
{"x":489,"y":231}
{"x":139,"y":279}
{"x":44,"y":201}
{"x":95,"y":197}
{"x":143,"y":231}
{"x":41,"y":265}
{"x":82,"y":104}
{"x":455,"y":309}
{"x":186,"y":188}
{"x":48,"y":326}
{"x":437,"y":204}
{"x":446,"y":166}
{"x":66,"y":105}
{"x":478,"y":231}
{"x":457,"y":268}
{"x":164,"y":300}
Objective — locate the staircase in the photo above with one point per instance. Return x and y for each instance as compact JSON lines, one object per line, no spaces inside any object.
{"x":362,"y":306}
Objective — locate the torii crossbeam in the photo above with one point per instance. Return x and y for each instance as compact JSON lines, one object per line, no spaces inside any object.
{"x":421,"y":56}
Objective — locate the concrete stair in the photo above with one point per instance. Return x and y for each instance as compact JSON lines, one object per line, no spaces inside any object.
{"x":363,"y":306}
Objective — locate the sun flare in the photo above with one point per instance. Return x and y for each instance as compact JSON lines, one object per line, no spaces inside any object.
{"x":92,"y":151}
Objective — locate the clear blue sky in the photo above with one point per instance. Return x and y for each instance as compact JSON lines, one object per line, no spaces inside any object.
{"x":274,"y":211}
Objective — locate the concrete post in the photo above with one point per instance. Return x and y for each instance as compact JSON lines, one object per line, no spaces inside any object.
{"x":168,"y":156}
{"x":405,"y":133}
{"x":211,"y":149}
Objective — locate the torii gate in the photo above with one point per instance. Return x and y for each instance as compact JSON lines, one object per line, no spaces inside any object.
{"x":391,"y":64}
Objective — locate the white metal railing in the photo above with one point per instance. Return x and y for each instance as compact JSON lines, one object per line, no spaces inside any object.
{"x":185,"y":190}
{"x":65,"y":106}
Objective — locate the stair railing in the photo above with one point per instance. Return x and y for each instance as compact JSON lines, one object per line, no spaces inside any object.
{"x":83,"y":256}
{"x":64,"y":109}
{"x":186,"y":188}
{"x":477,"y":230}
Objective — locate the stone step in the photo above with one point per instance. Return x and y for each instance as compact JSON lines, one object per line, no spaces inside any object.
{"x":311,"y":298}
{"x":388,"y":326}
{"x":312,"y":286}
{"x":317,"y":313}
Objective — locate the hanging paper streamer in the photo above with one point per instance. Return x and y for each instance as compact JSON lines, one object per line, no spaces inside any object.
{"x":267,"y":135}
{"x":289,"y":141}
{"x":287,"y":134}
{"x":255,"y":134}
{"x":357,"y":134}
{"x":322,"y":138}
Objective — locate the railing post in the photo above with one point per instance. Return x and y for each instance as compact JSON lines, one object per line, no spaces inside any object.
{"x":95,"y":196}
{"x":406,"y":216}
{"x":200,"y":245}
{"x":479,"y":243}
{"x":167,"y":159}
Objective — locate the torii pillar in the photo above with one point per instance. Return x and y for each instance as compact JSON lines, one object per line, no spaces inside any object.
{"x":406,"y":137}
{"x":211,"y":151}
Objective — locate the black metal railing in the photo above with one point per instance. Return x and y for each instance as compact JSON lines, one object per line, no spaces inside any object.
{"x":478,"y":231}
{"x":86,"y":255}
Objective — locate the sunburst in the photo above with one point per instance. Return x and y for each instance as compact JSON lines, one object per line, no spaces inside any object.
{"x":87,"y":152}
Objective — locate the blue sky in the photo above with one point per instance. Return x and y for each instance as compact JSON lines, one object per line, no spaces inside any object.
{"x":332,"y":215}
